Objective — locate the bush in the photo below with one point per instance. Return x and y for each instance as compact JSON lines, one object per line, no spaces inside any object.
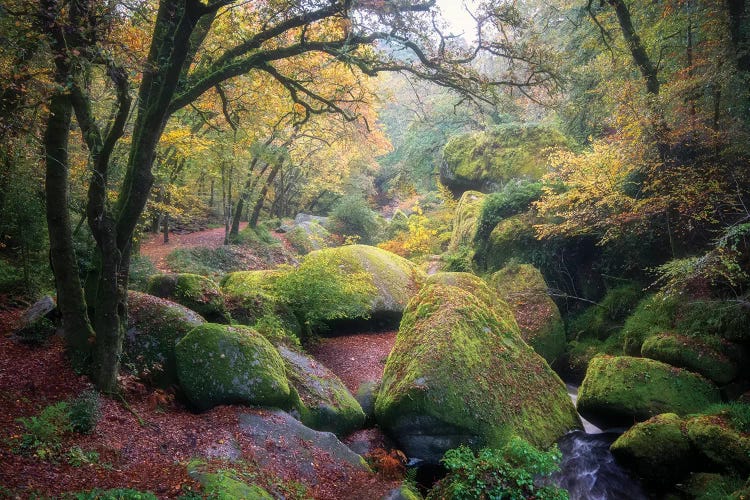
{"x":117,"y":494}
{"x":353,"y":217}
{"x":317,"y":292}
{"x":211,"y":262}
{"x":511,"y":472}
{"x":85,"y":411}
{"x":458,"y":261}
{"x":608,"y":316}
{"x":141,"y":268}
{"x":256,"y":237}
{"x":44,"y":432}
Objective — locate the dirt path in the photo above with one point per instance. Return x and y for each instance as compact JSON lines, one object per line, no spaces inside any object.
{"x":355,"y":358}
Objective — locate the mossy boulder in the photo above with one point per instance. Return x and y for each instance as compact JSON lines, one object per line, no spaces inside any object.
{"x":658,"y":450}
{"x":308,"y":235}
{"x":325,"y":404}
{"x":457,"y":375}
{"x":512,"y":238}
{"x":193,"y":291}
{"x":606,"y":318}
{"x":723,"y":446}
{"x":394,"y":279}
{"x":224,"y":484}
{"x":484,"y":161}
{"x":712,"y":486}
{"x":154,"y":327}
{"x":465,"y":220}
{"x":618,"y":390}
{"x":251,"y":298}
{"x":220,"y":364}
{"x":693,"y":353}
{"x":523,"y":288}
{"x":482,"y":291}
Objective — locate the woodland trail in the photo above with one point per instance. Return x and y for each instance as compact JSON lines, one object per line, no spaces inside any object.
{"x":355,"y":358}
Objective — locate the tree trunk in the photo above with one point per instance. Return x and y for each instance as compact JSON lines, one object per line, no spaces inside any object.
{"x":70,"y":297}
{"x":253,"y":222}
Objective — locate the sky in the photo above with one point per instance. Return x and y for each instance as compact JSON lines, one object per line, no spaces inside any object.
{"x":455,"y":13}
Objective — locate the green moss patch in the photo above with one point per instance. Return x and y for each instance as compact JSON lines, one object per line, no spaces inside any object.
{"x":457,"y":376}
{"x":618,"y":390}
{"x":692,"y":353}
{"x":193,"y":291}
{"x":219,"y":364}
{"x":465,"y":220}
{"x":325,"y":404}
{"x":154,"y":327}
{"x":523,"y":288}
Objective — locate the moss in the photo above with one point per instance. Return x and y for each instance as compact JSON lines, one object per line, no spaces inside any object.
{"x":456,"y":375}
{"x":658,"y":450}
{"x":395,"y":279}
{"x":715,"y":439}
{"x":219,"y":364}
{"x":224,"y":485}
{"x":486,"y":160}
{"x":511,"y":238}
{"x":725,"y":319}
{"x":154,"y":327}
{"x":465,"y":220}
{"x":708,"y":486}
{"x":481,"y":290}
{"x":606,"y":318}
{"x":618,"y":390}
{"x":193,"y":291}
{"x":523,"y":288}
{"x":692,"y":353}
{"x":307,"y":237}
{"x":579,"y":353}
{"x":653,"y":315}
{"x":325,"y":404}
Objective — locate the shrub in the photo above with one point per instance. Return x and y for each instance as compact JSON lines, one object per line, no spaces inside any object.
{"x":256,"y":237}
{"x":44,"y":432}
{"x":608,"y":316}
{"x":317,"y":292}
{"x":511,"y":472}
{"x":353,"y":217}
{"x":206,"y":261}
{"x":116,"y":494}
{"x":85,"y":411}
{"x":458,"y":261}
{"x":78,"y":457}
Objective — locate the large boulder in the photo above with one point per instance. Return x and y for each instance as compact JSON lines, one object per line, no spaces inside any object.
{"x":523,"y":288}
{"x":618,"y":390}
{"x":465,"y":220}
{"x":484,"y":161}
{"x":193,"y":291}
{"x":220,"y":364}
{"x":716,"y":439}
{"x":154,"y":327}
{"x":325,"y":404}
{"x":457,"y":375}
{"x":693,"y":353}
{"x":395,"y":279}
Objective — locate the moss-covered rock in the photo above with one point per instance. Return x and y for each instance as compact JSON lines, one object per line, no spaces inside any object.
{"x":465,"y":220}
{"x":251,"y":298}
{"x":512,"y":238}
{"x":692,"y":353}
{"x":308,"y":235}
{"x":219,"y":364}
{"x":486,"y":160}
{"x":711,"y":486}
{"x":154,"y":327}
{"x":523,"y":288}
{"x":724,"y":447}
{"x":456,"y":376}
{"x":224,"y":485}
{"x":658,"y":450}
{"x":394,"y":279}
{"x":482,"y":291}
{"x":619,"y":390}
{"x":653,"y":315}
{"x":193,"y":291}
{"x":606,"y":318}
{"x":325,"y":403}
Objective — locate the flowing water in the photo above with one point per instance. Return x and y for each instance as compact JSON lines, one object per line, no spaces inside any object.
{"x":588,"y":470}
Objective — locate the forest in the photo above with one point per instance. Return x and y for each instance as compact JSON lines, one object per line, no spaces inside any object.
{"x":375,"y":249}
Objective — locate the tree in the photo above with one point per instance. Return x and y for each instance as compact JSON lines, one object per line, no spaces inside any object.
{"x":257,"y":38}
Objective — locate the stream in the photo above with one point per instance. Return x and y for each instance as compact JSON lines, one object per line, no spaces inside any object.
{"x":588,"y":470}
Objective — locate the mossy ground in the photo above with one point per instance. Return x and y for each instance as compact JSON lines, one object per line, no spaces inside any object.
{"x":155,"y":325}
{"x":219,"y":364}
{"x":456,"y":367}
{"x":618,"y":390}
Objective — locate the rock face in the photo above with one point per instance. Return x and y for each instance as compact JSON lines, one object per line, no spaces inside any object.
{"x":154,"y":327}
{"x":325,"y":403}
{"x":619,"y":390}
{"x":456,"y":375}
{"x":219,"y":364}
{"x":193,"y":291}
{"x":465,"y":220}
{"x":692,"y":353}
{"x":523,"y":288}
{"x":484,"y":161}
{"x":665,"y":449}
{"x":394,"y":278}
